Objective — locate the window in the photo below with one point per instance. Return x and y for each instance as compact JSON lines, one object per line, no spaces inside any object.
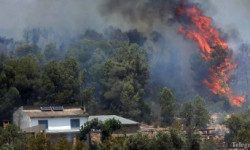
{"x":43,"y":122}
{"x":75,"y":123}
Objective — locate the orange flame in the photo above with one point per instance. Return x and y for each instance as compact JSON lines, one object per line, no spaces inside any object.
{"x":206,"y":37}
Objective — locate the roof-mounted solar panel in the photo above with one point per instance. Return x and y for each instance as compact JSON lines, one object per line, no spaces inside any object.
{"x":46,"y":108}
{"x":57,"y":108}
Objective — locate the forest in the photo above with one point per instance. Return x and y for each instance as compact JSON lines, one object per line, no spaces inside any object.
{"x":170,"y":64}
{"x":108,"y":76}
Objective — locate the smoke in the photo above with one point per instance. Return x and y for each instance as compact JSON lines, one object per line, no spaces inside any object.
{"x":232,"y":18}
{"x":144,"y":15}
{"x":150,"y":23}
{"x":170,"y":52}
{"x":63,"y":16}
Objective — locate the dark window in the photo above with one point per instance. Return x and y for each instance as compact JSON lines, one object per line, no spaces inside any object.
{"x":45,"y":108}
{"x":43,"y":122}
{"x":57,"y":108}
{"x":75,"y":123}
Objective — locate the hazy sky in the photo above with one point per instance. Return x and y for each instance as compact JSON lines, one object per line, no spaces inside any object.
{"x":74,"y":15}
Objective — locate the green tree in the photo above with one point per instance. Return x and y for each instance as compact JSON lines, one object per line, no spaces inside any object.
{"x":234,"y":123}
{"x":63,"y":144}
{"x":202,"y":116}
{"x":195,"y":114}
{"x":168,"y":106}
{"x":27,"y":49}
{"x":91,"y":54}
{"x":26,"y":78}
{"x":3,"y":57}
{"x":87,"y":98}
{"x":238,"y":125}
{"x":137,"y":142}
{"x":129,"y":101}
{"x":13,"y":137}
{"x":178,"y":139}
{"x":209,"y":145}
{"x":61,"y":82}
{"x":124,"y":78}
{"x":161,"y":141}
{"x":80,"y":145}
{"x":187,"y":113}
{"x":107,"y":128}
{"x":38,"y":143}
{"x":113,"y":143}
{"x":92,"y":124}
{"x":243,"y":135}
{"x":51,"y":52}
{"x":9,"y":94}
{"x":193,"y":141}
{"x":6,"y":147}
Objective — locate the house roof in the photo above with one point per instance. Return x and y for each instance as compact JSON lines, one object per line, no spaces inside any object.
{"x":68,"y":111}
{"x":123,"y":121}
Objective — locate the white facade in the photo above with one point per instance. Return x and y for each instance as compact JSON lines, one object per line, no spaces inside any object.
{"x":68,"y":120}
{"x":57,"y":125}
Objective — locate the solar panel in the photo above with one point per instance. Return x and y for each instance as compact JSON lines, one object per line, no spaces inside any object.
{"x":57,"y":108}
{"x":46,"y":108}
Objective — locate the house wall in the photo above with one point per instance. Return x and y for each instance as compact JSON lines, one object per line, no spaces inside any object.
{"x":55,"y":124}
{"x":53,"y":138}
{"x":128,"y":129}
{"x":21,"y":119}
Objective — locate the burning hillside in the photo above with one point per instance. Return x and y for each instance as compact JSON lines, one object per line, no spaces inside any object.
{"x":205,"y":62}
{"x":209,"y":41}
{"x":162,"y":17}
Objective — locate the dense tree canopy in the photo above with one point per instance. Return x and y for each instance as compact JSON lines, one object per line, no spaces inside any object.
{"x":108,"y":73}
{"x":108,"y":76}
{"x":12,"y":138}
{"x":107,"y":128}
{"x":124,"y":78}
{"x":238,"y":125}
{"x":168,"y":106}
{"x":61,"y":82}
{"x":195,"y":113}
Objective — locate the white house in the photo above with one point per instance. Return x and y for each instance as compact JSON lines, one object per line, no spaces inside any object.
{"x":58,"y":120}
{"x":63,"y":121}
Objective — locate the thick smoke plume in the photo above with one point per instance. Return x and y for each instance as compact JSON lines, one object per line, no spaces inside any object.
{"x":63,"y":16}
{"x":151,"y":23}
{"x":155,"y":19}
{"x":213,"y":48}
{"x":148,"y":16}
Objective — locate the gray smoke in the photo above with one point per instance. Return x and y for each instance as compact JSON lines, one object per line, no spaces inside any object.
{"x":63,"y":16}
{"x":232,"y":18}
{"x":145,"y":15}
{"x":169,"y":52}
{"x":170,"y":56}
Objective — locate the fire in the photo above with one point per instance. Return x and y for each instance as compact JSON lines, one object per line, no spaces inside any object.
{"x":207,"y":37}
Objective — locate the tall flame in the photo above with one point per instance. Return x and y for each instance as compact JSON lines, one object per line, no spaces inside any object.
{"x":206,"y":36}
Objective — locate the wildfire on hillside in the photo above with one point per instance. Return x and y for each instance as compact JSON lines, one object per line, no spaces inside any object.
{"x":209,"y":41}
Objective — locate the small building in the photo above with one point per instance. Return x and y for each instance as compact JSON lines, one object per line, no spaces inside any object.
{"x":129,"y":127}
{"x":58,"y":121}
{"x":62,"y":121}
